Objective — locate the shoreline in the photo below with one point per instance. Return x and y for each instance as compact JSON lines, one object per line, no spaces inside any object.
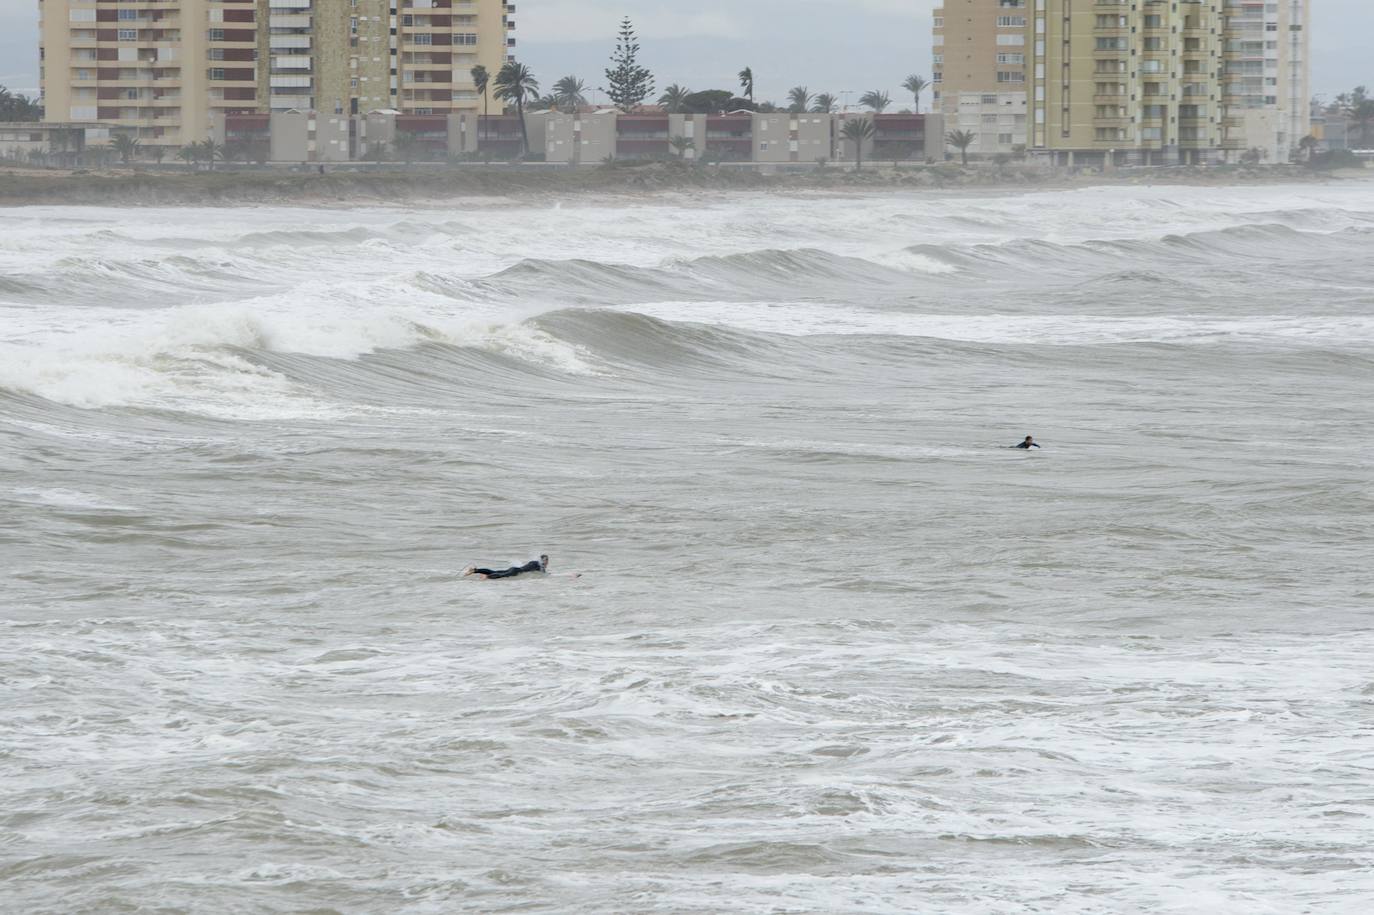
{"x":389,"y":186}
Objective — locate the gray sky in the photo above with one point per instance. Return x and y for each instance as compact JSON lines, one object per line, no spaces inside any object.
{"x":827,"y":45}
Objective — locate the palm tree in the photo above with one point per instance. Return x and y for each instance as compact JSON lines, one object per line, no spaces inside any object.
{"x":515,"y":83}
{"x":674,"y":98}
{"x":405,"y":144}
{"x":681,"y":145}
{"x":159,"y":153}
{"x":481,"y":79}
{"x":1307,"y":146}
{"x":916,"y":85}
{"x":210,"y":151}
{"x":567,"y":93}
{"x":857,"y":131}
{"x":746,"y":82}
{"x":1360,"y":110}
{"x":876,"y":100}
{"x":547,"y":102}
{"x":798,"y":99}
{"x":125,"y":145}
{"x":961,"y":140}
{"x":190,"y":154}
{"x":825,"y":103}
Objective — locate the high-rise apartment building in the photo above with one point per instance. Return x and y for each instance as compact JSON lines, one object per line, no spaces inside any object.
{"x":159,"y":69}
{"x":1266,"y":73}
{"x":979,"y":46}
{"x":154,"y":69}
{"x":1166,"y":81}
{"x":979,"y":71}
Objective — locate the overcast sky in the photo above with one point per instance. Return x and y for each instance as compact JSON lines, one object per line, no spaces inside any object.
{"x":827,"y":45}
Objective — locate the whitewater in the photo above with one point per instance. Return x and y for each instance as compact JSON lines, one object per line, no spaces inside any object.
{"x":835,"y":647}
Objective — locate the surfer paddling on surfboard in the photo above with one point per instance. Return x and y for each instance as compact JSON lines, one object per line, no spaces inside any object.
{"x":538,"y":566}
{"x":1027,"y":445}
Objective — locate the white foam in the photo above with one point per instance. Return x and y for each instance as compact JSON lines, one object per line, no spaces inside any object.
{"x":810,"y":319}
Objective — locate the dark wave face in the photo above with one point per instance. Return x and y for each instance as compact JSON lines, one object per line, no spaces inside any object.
{"x":835,"y":645}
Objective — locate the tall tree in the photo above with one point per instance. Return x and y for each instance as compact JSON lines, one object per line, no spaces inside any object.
{"x":627,"y":83}
{"x":515,"y":84}
{"x":825,"y":103}
{"x":916,"y":85}
{"x":798,"y":99}
{"x":877,"y":100}
{"x":482,"y":79}
{"x":674,"y":98}
{"x":567,"y":94}
{"x":1359,"y":108}
{"x":746,"y":83}
{"x":857,"y":131}
{"x":961,"y":140}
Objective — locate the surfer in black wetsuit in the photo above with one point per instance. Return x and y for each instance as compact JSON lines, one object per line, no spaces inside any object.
{"x":540,"y":565}
{"x":1027,"y":445}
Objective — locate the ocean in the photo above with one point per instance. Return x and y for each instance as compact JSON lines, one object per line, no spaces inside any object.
{"x":835,"y":645}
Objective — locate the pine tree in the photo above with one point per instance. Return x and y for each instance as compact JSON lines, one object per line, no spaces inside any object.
{"x":627,"y":83}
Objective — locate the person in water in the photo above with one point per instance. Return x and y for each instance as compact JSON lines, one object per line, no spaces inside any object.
{"x":540,"y":565}
{"x":1027,"y":445}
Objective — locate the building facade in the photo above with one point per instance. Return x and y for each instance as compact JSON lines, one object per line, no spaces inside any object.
{"x":161,"y":70}
{"x":151,"y":69}
{"x":1265,"y":82}
{"x":980,"y":61}
{"x":1167,"y":81}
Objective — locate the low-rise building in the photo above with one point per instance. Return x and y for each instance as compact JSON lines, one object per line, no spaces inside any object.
{"x":583,"y":138}
{"x":52,"y":143}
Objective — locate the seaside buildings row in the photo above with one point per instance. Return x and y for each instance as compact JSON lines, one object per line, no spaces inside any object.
{"x":1127,"y":81}
{"x":588,"y":137}
{"x":1067,"y":82}
{"x":161,"y":70}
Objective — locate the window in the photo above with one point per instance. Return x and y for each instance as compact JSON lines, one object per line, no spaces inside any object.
{"x":1004,"y":139}
{"x":128,"y":35}
{"x":422,"y":39}
{"x":127,"y":15}
{"x":1113,"y":44}
{"x":1154,"y":22}
{"x":939,"y":22}
{"x":1011,"y":58}
{"x":465,"y":38}
{"x":1011,"y":22}
{"x":1149,"y":133}
{"x":1014,"y":41}
{"x":217,"y":34}
{"x":1010,"y":76}
{"x":216,"y":54}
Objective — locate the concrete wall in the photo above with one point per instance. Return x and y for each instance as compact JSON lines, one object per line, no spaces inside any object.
{"x":290,"y":136}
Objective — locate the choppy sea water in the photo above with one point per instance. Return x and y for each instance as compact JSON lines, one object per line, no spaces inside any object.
{"x":835,"y":648}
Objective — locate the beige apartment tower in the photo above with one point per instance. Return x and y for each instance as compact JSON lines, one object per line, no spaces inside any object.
{"x":1157,"y":82}
{"x":159,"y":69}
{"x":979,"y":72}
{"x":352,"y":57}
{"x":152,"y":69}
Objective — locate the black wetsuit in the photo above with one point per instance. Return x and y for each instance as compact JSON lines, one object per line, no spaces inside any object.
{"x":1027,"y":445}
{"x":531,"y":566}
